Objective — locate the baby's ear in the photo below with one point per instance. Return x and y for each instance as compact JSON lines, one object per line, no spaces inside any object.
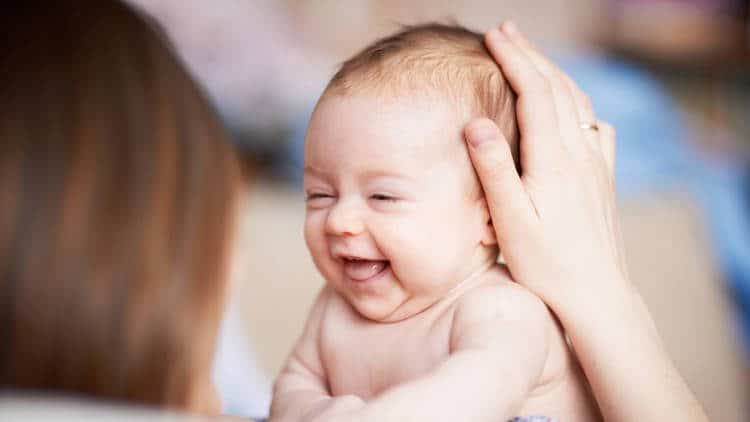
{"x":488,"y":230}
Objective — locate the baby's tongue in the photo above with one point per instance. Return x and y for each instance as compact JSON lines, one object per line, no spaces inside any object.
{"x":362,"y":270}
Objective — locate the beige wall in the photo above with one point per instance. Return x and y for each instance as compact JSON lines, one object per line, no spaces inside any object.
{"x":341,"y":28}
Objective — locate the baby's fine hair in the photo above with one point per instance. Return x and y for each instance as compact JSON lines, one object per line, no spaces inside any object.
{"x":433,"y":58}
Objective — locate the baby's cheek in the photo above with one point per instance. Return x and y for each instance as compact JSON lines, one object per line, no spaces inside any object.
{"x":416,"y":250}
{"x":315,"y":238}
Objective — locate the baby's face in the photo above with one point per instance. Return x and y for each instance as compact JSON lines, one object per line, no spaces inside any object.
{"x":394,"y":214}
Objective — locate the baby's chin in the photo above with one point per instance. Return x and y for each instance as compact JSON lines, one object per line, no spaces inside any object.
{"x":385,"y":311}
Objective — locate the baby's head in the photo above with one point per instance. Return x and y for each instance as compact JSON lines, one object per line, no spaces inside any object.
{"x":396,"y":217}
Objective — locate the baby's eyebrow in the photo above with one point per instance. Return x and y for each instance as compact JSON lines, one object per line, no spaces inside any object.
{"x":310,"y":169}
{"x":385,"y":174}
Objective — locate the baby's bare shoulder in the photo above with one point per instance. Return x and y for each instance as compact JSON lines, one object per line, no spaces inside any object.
{"x":512,"y":313}
{"x":498,"y":296}
{"x":503,"y":319}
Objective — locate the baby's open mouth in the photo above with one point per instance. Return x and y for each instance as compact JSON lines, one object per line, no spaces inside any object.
{"x":364,"y":269}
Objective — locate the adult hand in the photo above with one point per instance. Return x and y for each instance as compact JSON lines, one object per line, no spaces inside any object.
{"x":557,"y":229}
{"x":561,"y":210}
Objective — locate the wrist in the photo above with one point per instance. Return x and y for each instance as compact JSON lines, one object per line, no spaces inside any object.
{"x":601,"y":304}
{"x":582,"y":294}
{"x":611,"y":303}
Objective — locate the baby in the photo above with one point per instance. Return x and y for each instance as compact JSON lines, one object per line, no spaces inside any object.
{"x":417,"y":321}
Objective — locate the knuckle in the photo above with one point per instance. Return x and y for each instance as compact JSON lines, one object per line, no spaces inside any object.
{"x":495,"y":162}
{"x":501,"y":169}
{"x":504,"y":162}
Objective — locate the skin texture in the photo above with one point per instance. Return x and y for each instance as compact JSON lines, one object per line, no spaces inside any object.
{"x":440,"y":323}
{"x":564,"y":202}
{"x":377,"y":181}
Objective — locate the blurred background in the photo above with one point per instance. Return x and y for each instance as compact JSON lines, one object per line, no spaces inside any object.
{"x":672,"y":76}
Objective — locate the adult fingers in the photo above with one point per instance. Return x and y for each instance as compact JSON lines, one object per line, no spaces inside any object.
{"x":567,"y":111}
{"x":512,"y":212}
{"x":584,"y":111}
{"x":608,"y":144}
{"x":583,"y":102}
{"x":607,"y":139}
{"x":536,"y":111}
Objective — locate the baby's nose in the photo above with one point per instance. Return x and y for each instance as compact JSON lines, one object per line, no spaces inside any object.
{"x":344,"y":220}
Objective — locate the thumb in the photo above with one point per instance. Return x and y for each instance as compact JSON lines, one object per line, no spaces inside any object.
{"x":511,"y":210}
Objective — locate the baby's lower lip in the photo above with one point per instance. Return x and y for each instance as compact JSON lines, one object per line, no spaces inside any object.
{"x":361,"y":271}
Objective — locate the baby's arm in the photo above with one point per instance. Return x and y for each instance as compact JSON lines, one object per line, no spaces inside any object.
{"x":499,"y":345}
{"x":301,"y":391}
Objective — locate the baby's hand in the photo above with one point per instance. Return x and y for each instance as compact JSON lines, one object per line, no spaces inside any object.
{"x":336,"y":409}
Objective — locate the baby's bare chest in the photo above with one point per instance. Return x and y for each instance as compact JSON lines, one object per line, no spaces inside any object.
{"x":366,"y":358}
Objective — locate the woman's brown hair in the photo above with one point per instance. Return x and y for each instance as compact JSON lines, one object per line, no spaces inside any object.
{"x":117,"y":197}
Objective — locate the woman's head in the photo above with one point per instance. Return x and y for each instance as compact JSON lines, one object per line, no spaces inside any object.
{"x":118,"y":191}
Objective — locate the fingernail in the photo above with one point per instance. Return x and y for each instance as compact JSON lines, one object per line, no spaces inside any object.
{"x":510,"y":28}
{"x":481,"y":132}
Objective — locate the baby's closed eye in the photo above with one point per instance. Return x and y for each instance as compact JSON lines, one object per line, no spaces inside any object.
{"x":384,"y":197}
{"x":317,"y":195}
{"x":319,"y":199}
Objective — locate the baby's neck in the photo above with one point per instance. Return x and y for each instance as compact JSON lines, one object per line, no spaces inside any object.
{"x":474,"y":278}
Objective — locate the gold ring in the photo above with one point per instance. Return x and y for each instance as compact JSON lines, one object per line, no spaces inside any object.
{"x":590,"y":126}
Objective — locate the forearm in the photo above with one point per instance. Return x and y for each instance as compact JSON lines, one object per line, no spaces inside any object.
{"x":296,"y":405}
{"x":631,"y":374}
{"x":312,"y":406}
{"x":298,"y":394}
{"x":300,"y":391}
{"x":464,"y":388}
